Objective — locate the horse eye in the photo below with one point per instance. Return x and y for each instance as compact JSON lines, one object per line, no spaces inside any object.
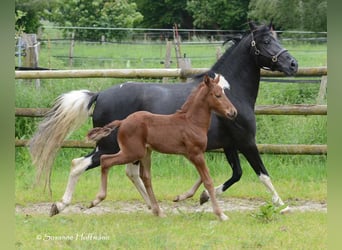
{"x":267,"y":41}
{"x":218,"y":95}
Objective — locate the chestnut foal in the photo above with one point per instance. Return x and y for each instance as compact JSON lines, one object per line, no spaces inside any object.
{"x":184,"y":132}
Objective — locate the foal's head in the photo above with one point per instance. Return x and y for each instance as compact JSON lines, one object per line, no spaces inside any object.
{"x":217,"y":99}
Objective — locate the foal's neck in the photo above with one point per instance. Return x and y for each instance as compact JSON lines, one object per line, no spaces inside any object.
{"x":196,"y":109}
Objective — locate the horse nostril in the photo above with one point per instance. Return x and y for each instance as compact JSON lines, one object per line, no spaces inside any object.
{"x":232,"y":114}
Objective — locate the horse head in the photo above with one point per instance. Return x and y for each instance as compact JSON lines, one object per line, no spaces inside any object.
{"x":268,"y":52}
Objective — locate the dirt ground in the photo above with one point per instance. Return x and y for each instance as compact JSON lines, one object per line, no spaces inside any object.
{"x":190,"y":206}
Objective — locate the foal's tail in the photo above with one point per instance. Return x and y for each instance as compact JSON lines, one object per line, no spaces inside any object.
{"x":68,"y":113}
{"x":98,"y":133}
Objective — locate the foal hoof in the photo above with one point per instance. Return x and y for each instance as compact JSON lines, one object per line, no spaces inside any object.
{"x":223,"y":217}
{"x":91,"y":205}
{"x":176,"y":199}
{"x":54,"y":210}
{"x":204,"y":197}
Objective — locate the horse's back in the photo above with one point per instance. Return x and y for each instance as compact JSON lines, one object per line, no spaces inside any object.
{"x":119,"y":101}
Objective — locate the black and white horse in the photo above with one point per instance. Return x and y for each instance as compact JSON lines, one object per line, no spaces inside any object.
{"x":239,"y":65}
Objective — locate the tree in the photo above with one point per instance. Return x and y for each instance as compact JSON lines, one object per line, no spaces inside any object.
{"x":97,"y":13}
{"x":28,"y":14}
{"x":219,"y":14}
{"x":164,"y":13}
{"x":291,"y":14}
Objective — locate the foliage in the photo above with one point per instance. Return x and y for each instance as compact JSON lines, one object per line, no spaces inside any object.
{"x":164,"y":14}
{"x":268,"y":213}
{"x":28,"y":14}
{"x":291,"y":14}
{"x":219,"y":14}
{"x":97,"y":13}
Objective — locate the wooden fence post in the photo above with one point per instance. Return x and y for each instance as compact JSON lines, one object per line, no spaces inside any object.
{"x":71,"y":50}
{"x":322,"y":89}
{"x":31,"y":53}
{"x":167,"y":62}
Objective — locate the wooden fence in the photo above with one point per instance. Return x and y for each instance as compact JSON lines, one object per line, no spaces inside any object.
{"x":184,"y":73}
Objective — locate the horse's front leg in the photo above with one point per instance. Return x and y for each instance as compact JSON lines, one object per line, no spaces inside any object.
{"x":146,"y":177}
{"x":190,"y":192}
{"x":253,"y":157}
{"x":78,"y":166}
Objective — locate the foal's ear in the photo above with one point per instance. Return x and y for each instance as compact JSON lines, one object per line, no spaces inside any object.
{"x":207,"y":80}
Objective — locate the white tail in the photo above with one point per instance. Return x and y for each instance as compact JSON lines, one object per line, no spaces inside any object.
{"x":68,"y":113}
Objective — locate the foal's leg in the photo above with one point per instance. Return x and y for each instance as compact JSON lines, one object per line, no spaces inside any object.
{"x":234,"y":161}
{"x":190,"y":192}
{"x":107,"y":161}
{"x":101,"y":195}
{"x":199,"y":161}
{"x":146,"y":177}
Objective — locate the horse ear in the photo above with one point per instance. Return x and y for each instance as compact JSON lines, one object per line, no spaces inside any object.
{"x":252,"y":25}
{"x":270,"y":26}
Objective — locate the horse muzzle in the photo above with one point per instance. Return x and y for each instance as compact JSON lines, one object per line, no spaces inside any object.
{"x":231,"y":114}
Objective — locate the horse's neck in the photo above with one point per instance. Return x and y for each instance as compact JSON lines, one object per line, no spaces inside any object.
{"x":242,"y":72}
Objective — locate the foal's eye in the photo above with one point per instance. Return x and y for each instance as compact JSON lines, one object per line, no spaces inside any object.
{"x":218,"y":95}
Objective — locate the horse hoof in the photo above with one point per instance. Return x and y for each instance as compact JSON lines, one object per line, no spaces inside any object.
{"x":223,"y":217}
{"x":91,"y":205}
{"x":204,"y":197}
{"x":176,"y":199}
{"x":54,"y":210}
{"x":162,"y":215}
{"x":286,"y":210}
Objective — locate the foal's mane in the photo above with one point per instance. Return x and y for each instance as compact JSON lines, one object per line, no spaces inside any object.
{"x":191,"y":98}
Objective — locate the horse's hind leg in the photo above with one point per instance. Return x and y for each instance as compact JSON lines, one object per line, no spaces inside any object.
{"x":133,"y":173}
{"x":78,"y":166}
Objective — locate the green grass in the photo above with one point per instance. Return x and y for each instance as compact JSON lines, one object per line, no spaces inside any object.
{"x":184,"y":231}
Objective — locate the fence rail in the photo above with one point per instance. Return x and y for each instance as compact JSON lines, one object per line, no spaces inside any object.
{"x":143,"y":73}
{"x":299,"y":109}
{"x":288,"y":149}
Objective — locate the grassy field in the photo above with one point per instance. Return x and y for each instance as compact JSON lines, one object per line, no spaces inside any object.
{"x":295,"y":177}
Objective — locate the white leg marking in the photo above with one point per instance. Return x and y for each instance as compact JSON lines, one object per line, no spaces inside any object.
{"x":78,"y":166}
{"x":266,"y":180}
{"x":133,"y":173}
{"x":218,"y":191}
